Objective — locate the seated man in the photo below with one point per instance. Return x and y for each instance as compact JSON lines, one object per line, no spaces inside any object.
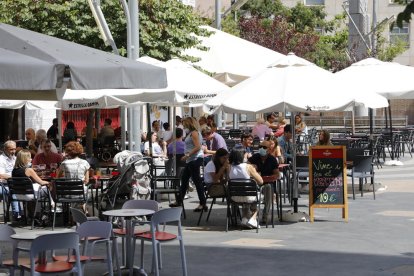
{"x":40,"y":137}
{"x":107,"y":132}
{"x":7,"y":161}
{"x":47,"y":156}
{"x":286,"y":144}
{"x":266,"y":165}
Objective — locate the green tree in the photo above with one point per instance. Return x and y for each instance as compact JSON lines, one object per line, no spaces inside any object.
{"x":166,"y":26}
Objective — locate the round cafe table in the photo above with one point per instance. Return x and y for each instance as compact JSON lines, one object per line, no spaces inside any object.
{"x":128,"y":214}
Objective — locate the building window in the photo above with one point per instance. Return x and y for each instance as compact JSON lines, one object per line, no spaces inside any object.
{"x":314,"y":2}
{"x":400,"y":34}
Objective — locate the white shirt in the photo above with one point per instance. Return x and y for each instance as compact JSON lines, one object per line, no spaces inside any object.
{"x":156,"y":149}
{"x":7,"y":164}
{"x":208,"y":170}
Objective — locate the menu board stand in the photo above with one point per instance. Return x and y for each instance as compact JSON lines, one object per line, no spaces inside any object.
{"x":327,"y":179}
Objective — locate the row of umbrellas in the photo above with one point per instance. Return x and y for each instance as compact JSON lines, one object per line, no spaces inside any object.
{"x":39,"y":67}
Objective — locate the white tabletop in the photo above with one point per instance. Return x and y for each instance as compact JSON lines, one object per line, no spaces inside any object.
{"x":31,"y":235}
{"x":128,"y":212}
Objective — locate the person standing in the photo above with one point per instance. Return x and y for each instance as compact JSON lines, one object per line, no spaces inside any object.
{"x":53,"y":131}
{"x":7,"y":162}
{"x":194,"y":160}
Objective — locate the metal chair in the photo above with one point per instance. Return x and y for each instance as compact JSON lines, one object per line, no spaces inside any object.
{"x":21,"y":190}
{"x":55,"y":241}
{"x":244,"y":188}
{"x":362,"y":168}
{"x":68,"y":191}
{"x":134,"y":204}
{"x":11,"y":264}
{"x":171,"y":215}
{"x":213,"y":191}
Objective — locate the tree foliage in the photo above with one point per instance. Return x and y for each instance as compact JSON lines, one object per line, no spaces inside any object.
{"x":405,"y":15}
{"x":165,"y":25}
{"x":305,"y":31}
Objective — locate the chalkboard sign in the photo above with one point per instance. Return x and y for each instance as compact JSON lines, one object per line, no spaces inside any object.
{"x":327,"y":178}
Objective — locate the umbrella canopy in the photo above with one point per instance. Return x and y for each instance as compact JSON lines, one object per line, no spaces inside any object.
{"x":31,"y":105}
{"x":186,"y":86}
{"x":390,"y":79}
{"x":87,"y":68}
{"x":291,"y":84}
{"x":230,"y":58}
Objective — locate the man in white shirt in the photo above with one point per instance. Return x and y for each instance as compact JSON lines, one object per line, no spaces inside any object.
{"x":7,"y":160}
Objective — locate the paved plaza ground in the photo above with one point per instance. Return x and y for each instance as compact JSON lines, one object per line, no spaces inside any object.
{"x":377,"y":239}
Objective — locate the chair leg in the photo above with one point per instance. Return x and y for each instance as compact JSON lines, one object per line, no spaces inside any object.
{"x":159,"y":256}
{"x":211,"y":207}
{"x":155,"y":258}
{"x":353,"y":188}
{"x":109,"y":258}
{"x":115,"y":254}
{"x":183,"y":259}
{"x":142,"y":254}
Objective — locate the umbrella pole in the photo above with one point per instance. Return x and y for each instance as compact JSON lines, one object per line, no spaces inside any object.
{"x":149,"y":129}
{"x":371,"y":129}
{"x":295,"y":181}
{"x":392,"y":143}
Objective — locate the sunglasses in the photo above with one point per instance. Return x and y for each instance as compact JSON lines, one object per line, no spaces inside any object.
{"x":262,"y":147}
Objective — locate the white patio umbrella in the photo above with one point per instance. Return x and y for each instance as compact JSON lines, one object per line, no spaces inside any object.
{"x":390,"y":79}
{"x":31,"y":105}
{"x":50,"y":60}
{"x":231,"y":59}
{"x":291,"y":84}
{"x":187,"y":86}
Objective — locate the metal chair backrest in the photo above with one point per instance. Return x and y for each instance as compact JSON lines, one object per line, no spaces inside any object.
{"x":69,"y":188}
{"x":302,"y":161}
{"x":141,"y":204}
{"x":96,"y":229}
{"x":166,"y":216}
{"x":242,"y":187}
{"x":55,"y":241}
{"x":351,"y":153}
{"x":5,"y":232}
{"x":363,"y":163}
{"x":78,"y":216}
{"x":21,"y":186}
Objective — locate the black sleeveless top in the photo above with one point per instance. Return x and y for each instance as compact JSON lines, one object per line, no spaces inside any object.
{"x":19,"y":172}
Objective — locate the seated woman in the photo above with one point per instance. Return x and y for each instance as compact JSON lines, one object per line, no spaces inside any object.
{"x":22,"y":169}
{"x":240,"y":170}
{"x":324,"y":138}
{"x":275,"y":150}
{"x":216,"y":171}
{"x":73,"y":166}
{"x":157,"y":150}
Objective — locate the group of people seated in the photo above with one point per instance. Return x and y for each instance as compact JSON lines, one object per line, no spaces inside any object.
{"x":18,"y":162}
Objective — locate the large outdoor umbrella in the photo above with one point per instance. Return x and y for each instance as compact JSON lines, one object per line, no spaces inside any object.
{"x":231,"y":59}
{"x":187,"y":86}
{"x":291,"y":84}
{"x":50,"y":60}
{"x":390,"y":79}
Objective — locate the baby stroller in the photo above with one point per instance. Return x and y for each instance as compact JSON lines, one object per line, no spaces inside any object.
{"x":132,"y":183}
